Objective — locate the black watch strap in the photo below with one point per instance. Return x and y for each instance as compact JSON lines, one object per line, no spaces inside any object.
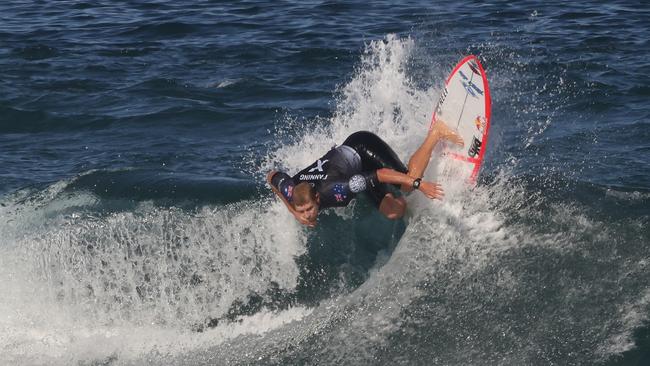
{"x":416,"y":183}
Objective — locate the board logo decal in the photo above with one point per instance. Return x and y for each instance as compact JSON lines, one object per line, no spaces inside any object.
{"x":471,"y":88}
{"x":474,"y":67}
{"x":476,"y":88}
{"x":442,"y":100}
{"x":480,"y":123}
{"x":475,"y":148}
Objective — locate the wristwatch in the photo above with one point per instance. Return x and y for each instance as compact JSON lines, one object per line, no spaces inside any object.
{"x":416,"y":183}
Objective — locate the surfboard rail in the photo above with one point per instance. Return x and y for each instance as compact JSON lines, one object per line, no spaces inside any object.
{"x":466,"y":104}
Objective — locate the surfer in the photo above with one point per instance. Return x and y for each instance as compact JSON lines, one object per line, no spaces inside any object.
{"x":363,"y":163}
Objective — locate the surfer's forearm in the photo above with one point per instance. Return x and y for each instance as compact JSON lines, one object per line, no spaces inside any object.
{"x":390,"y":176}
{"x":269,"y":178}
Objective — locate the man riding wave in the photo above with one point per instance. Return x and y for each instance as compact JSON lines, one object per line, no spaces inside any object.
{"x":363,"y":163}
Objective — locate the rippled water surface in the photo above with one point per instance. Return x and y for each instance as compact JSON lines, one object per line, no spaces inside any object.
{"x":136,"y":227}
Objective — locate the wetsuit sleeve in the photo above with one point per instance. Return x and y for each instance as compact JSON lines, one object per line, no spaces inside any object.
{"x":284,"y":183}
{"x":361,"y":182}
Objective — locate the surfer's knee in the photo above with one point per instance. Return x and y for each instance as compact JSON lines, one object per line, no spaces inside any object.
{"x":393,"y":208}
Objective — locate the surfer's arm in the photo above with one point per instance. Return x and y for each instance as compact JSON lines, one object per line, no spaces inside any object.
{"x":390,"y":176}
{"x":273,"y":182}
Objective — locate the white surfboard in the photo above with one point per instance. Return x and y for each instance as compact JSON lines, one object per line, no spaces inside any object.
{"x":464,"y":105}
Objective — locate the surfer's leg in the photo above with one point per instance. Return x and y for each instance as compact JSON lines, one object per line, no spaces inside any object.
{"x":420,"y":159}
{"x":391,"y":207}
{"x":374,"y":152}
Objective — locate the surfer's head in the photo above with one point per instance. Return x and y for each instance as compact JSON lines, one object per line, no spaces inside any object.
{"x":306,"y":201}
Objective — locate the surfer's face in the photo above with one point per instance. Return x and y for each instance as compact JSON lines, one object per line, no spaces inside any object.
{"x":308,"y":211}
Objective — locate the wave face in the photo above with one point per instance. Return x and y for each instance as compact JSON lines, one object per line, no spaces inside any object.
{"x":136,"y":228}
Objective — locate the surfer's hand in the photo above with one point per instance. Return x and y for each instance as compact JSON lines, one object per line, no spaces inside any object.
{"x":304,"y":221}
{"x":270,"y":175}
{"x":431,"y":190}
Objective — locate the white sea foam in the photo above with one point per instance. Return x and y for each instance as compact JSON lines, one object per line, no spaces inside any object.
{"x":79,"y":283}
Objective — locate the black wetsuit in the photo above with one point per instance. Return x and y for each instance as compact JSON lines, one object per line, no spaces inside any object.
{"x":345,"y":171}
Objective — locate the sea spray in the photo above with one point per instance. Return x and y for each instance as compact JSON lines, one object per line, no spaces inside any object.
{"x":151,"y":267}
{"x":380,"y":98}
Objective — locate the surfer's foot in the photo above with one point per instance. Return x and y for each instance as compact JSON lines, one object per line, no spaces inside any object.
{"x":420,"y":159}
{"x":444,"y":132}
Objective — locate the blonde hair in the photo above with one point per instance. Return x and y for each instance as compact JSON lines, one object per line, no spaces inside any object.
{"x":303,"y":193}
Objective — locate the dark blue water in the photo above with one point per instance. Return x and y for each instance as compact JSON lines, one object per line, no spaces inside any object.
{"x":136,"y":227}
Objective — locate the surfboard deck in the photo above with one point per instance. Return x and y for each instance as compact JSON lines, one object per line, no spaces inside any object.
{"x":465,"y":106}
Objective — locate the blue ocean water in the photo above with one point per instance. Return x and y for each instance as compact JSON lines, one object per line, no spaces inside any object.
{"x":137,"y":229}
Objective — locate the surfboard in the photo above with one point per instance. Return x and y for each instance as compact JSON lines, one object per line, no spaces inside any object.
{"x":465,"y":105}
